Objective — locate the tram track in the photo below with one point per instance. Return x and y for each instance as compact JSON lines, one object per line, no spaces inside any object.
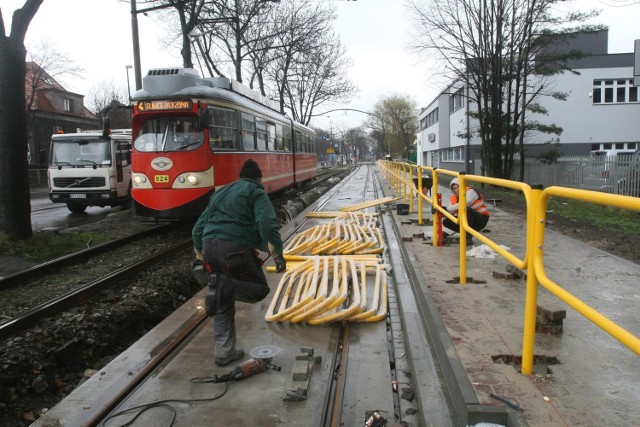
{"x":76,"y":295}
{"x":82,"y":295}
{"x":63,"y":283}
{"x":334,"y":393}
{"x":49,"y":266}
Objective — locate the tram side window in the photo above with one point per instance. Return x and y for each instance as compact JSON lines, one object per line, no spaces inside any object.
{"x":279,"y":138}
{"x":248,"y":132}
{"x":222,"y":129}
{"x":287,"y":138}
{"x":312,"y":140}
{"x":298,"y":142}
{"x":261,"y":134}
{"x":271,"y":135}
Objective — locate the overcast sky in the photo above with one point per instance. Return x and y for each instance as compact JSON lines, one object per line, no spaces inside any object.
{"x":97,"y":35}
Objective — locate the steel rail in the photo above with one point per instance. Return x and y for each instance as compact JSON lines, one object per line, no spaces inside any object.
{"x":105,"y":408}
{"x":28,"y":274}
{"x":81,"y":295}
{"x":95,"y":417}
{"x":102,"y":410}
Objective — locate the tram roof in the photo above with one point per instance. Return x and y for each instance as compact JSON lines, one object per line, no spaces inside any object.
{"x":162,"y":82}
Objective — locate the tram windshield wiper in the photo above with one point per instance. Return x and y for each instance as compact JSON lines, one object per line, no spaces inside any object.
{"x":189,"y":144}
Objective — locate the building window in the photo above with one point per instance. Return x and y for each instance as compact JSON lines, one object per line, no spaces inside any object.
{"x":429,"y":120}
{"x":455,"y":154}
{"x":456,"y":100}
{"x":621,"y":91}
{"x":68,"y":104}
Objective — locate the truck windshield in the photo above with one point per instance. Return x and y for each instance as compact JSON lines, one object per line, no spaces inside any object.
{"x":80,"y":152}
{"x":169,"y":134}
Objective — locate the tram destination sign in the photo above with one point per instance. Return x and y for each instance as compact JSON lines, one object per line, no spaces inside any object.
{"x":165,"y":104}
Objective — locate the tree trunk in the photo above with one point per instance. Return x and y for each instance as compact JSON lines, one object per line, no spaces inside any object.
{"x":15,"y":201}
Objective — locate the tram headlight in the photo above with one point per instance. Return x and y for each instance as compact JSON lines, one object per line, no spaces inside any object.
{"x":189,"y":179}
{"x":139,"y":179}
{"x":193,"y":179}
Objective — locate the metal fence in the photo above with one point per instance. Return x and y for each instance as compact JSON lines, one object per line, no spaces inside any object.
{"x":613,"y":175}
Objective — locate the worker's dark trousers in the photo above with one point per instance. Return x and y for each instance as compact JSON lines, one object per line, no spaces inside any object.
{"x":476,"y":221}
{"x":243,"y":269}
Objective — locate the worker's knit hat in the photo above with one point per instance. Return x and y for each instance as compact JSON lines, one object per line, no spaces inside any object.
{"x":250,"y":170}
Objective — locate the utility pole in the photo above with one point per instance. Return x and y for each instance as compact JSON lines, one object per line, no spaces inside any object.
{"x":136,"y":38}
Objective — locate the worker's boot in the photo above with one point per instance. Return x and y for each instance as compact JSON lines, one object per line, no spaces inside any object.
{"x":236,"y":354}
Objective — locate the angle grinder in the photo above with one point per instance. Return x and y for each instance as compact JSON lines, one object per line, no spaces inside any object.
{"x":260,"y":361}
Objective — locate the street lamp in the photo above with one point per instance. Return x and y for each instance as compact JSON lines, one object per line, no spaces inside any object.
{"x":128,"y":67}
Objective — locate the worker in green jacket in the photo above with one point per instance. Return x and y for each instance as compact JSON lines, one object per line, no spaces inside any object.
{"x":238,"y":221}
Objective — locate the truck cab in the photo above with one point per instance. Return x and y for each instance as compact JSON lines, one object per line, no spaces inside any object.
{"x":90,"y":169}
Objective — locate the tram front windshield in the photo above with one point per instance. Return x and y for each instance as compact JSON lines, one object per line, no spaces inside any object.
{"x":169,"y":134}
{"x":80,"y":152}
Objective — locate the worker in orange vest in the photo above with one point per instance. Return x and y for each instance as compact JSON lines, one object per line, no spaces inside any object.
{"x":477,"y":212}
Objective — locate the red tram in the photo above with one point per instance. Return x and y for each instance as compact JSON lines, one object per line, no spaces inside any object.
{"x":192,"y":135}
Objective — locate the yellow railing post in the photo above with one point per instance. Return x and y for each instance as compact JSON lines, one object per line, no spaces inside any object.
{"x":409,"y":184}
{"x":419,"y":172}
{"x":434,"y":219}
{"x":531,"y":298}
{"x":404,"y":180}
{"x":462,"y":223}
{"x":396,"y":177}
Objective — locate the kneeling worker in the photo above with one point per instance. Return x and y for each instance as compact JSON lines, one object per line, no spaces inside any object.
{"x":477,"y":212}
{"x":238,"y":220}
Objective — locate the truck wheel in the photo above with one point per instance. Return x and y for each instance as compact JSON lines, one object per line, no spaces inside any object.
{"x":76,"y":208}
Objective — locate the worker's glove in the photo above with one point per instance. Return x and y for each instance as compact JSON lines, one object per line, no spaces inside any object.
{"x":281,"y":264}
{"x":198,"y":254}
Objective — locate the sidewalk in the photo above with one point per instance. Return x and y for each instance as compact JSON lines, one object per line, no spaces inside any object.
{"x":585,"y":377}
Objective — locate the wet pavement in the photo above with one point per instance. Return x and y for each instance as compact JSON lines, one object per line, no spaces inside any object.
{"x":47,"y":216}
{"x":585,"y":377}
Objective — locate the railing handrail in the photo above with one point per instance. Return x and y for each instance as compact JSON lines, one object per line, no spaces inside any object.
{"x":401,"y":177}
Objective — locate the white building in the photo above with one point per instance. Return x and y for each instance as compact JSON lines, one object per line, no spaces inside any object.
{"x":602,"y":111}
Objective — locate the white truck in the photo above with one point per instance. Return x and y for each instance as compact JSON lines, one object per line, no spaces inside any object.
{"x":90,"y":169}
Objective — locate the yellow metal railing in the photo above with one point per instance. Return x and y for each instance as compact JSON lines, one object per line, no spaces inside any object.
{"x":400,"y":175}
{"x":624,"y":202}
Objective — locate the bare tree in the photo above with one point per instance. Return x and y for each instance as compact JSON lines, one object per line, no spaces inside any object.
{"x":356,"y":143}
{"x":394,"y":125}
{"x":285,"y":50}
{"x":102,"y":94}
{"x":228,"y":31}
{"x":317,"y":77}
{"x":189,"y":17}
{"x":15,"y":202}
{"x":496,"y":49}
{"x":107,"y":99}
